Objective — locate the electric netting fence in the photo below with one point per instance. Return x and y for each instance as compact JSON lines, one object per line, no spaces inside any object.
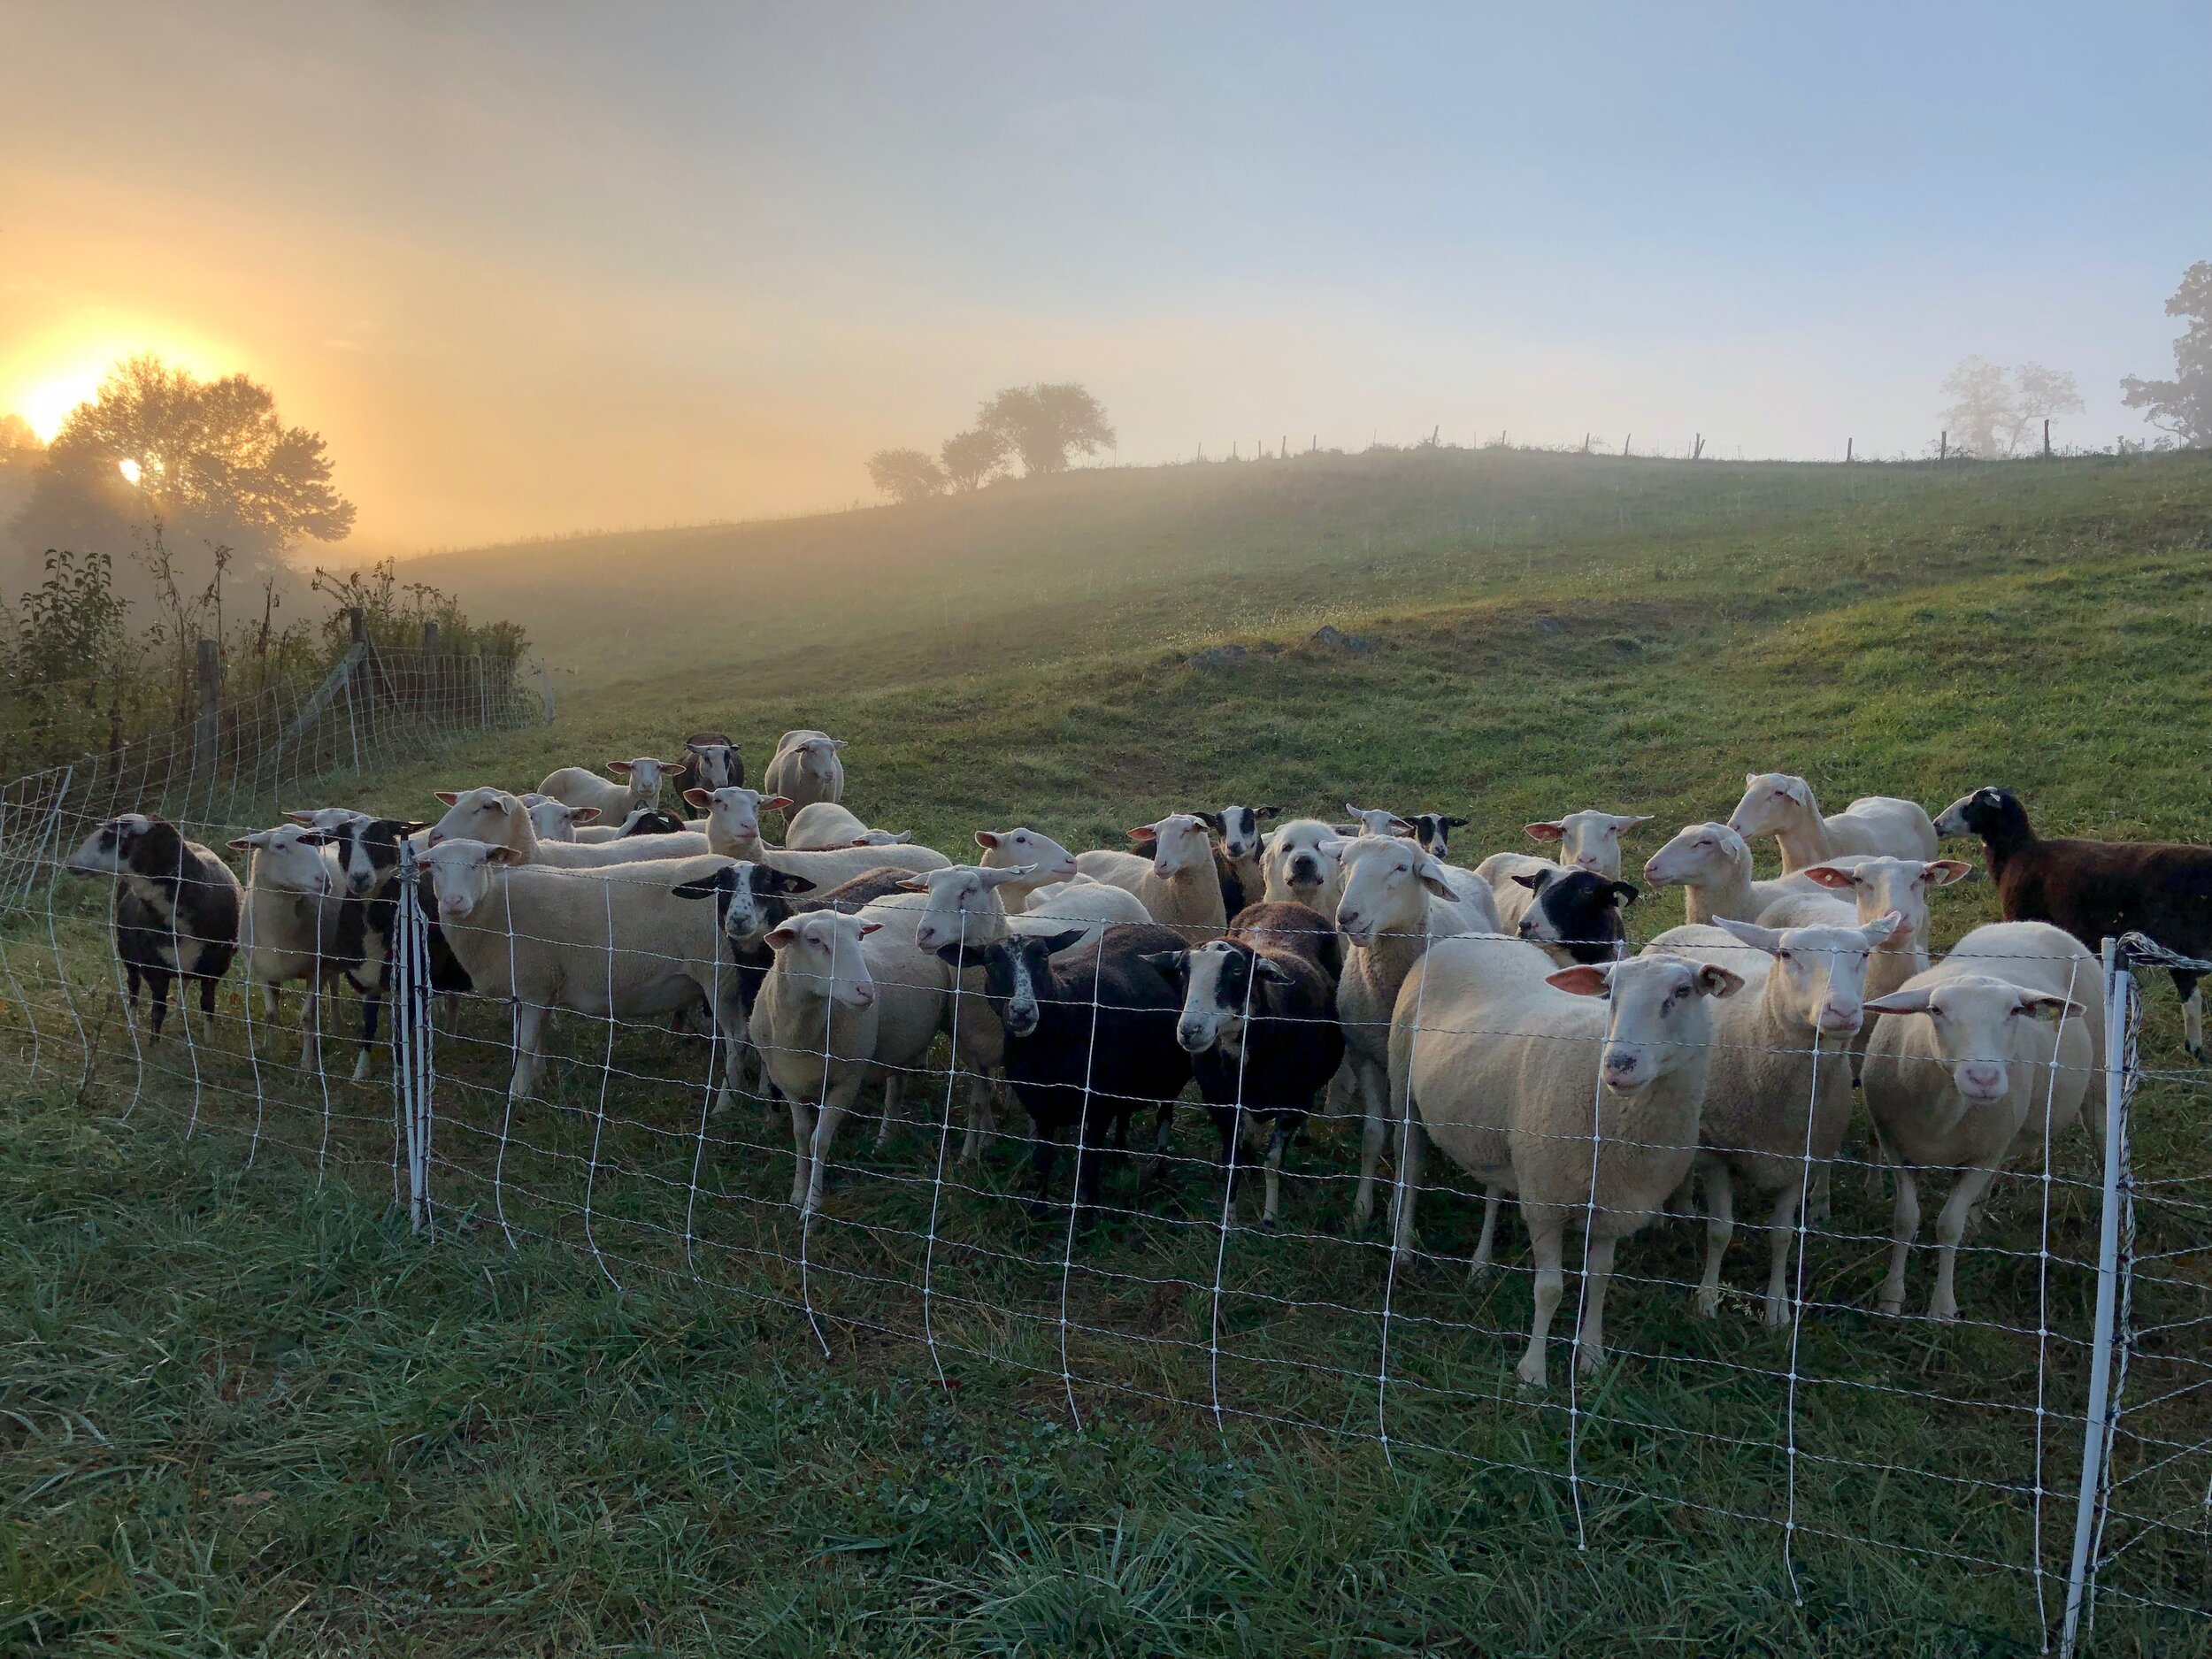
{"x":2048,"y":1451}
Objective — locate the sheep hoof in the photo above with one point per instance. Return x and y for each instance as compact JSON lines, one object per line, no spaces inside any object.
{"x":1943,"y":1315}
{"x":1269,"y":1224}
{"x":1707,"y":1304}
{"x":1530,"y":1374}
{"x":2195,"y":1051}
{"x":1777,"y":1316}
{"x":1588,"y":1359}
{"x":1890,"y":1306}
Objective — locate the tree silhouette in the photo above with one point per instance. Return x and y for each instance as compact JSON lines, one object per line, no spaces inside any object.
{"x":1044,"y":423}
{"x":2182,"y":405}
{"x":210,"y":457}
{"x":969,"y":458}
{"x":18,"y":443}
{"x":1994,"y":410}
{"x":905,"y":474}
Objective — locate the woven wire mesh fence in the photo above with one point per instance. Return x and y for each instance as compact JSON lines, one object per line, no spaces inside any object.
{"x":1005,"y":1160}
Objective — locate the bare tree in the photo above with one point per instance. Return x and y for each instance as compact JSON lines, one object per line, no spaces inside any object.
{"x":905,"y":474}
{"x":969,"y":458}
{"x":1044,"y":423}
{"x":2182,"y":405}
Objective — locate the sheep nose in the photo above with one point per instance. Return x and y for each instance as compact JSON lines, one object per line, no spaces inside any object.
{"x":1982,"y":1078}
{"x":1836,"y":1016}
{"x":435,"y":836}
{"x":1621,"y":1069}
{"x":1191,"y":1038}
{"x":864,"y":996}
{"x":1587,"y":861}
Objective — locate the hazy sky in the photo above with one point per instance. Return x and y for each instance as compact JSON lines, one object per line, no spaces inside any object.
{"x":535,"y":267}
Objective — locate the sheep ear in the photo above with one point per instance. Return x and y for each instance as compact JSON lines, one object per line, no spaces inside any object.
{"x":901,"y":838}
{"x":1801,"y":792}
{"x":781,"y":938}
{"x":1750,"y":933}
{"x":1212,"y":821}
{"x":1005,"y":873}
{"x":583,"y":815}
{"x":837,"y":743}
{"x":1546,"y":832}
{"x":1626,"y":824}
{"x":698,"y":798}
{"x":1535,"y":882}
{"x":620,"y":768}
{"x":1456,"y":823}
{"x":1622,"y":893}
{"x":1170,"y":963}
{"x":1144,"y":832}
{"x":301,"y":818}
{"x":1055,"y":943}
{"x":1266,"y":968}
{"x":1941,"y":872}
{"x":914,"y":884}
{"x":2044,"y":1005}
{"x":1749,"y":779}
{"x":1713,"y":981}
{"x":501,"y":856}
{"x":867,"y":928}
{"x":706,"y":887}
{"x":451,"y":797}
{"x":956,"y":954}
{"x":773,"y":803}
{"x":1829,"y":876}
{"x":1432,"y":877}
{"x":1262,"y":813}
{"x":987,"y":838}
{"x":784,"y":882}
{"x":1899,"y":1002}
{"x":1583,"y":979}
{"x":314,"y":838}
{"x":243,"y":844}
{"x":1890,"y":924}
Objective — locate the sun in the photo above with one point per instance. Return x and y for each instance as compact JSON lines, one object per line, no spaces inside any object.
{"x":47,"y":404}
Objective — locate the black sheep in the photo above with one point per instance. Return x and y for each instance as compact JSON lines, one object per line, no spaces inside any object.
{"x":176,"y":907}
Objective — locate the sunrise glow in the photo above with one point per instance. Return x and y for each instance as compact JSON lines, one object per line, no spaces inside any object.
{"x":47,"y":404}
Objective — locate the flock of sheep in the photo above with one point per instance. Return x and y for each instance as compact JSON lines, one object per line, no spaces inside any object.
{"x":1499,"y":1011}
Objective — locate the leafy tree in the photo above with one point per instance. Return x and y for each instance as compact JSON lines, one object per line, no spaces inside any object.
{"x":1994,"y":410}
{"x":2182,"y":405}
{"x":17,"y":442}
{"x":1044,"y":423}
{"x":905,"y":474}
{"x":969,"y":458}
{"x":212,"y":457}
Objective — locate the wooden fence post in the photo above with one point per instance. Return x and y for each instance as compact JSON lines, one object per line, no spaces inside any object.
{"x":1847,"y":452}
{"x":358,"y":622}
{"x":1943,"y":447}
{"x":2047,"y":439}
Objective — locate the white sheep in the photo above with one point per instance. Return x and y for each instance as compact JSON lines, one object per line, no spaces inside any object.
{"x":1588,"y":840}
{"x":1300,"y":864}
{"x":1395,"y":900}
{"x":1711,"y":864}
{"x":806,"y":768}
{"x":557,"y":821}
{"x":1083,"y":903}
{"x":500,"y":819}
{"x":1772,"y":1115}
{"x":577,"y":785}
{"x":822,"y":824}
{"x":1583,"y":1107}
{"x":615,"y":941}
{"x":1776,"y":803}
{"x":815,"y":1022}
{"x":1987,"y":1053}
{"x":732,"y":818}
{"x":1177,"y":885}
{"x":1510,"y":876}
{"x":1046,"y":859}
{"x":288,"y":925}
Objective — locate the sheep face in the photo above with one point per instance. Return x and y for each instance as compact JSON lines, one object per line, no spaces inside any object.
{"x":734,"y":812}
{"x":460,"y":872}
{"x":649,"y":820}
{"x":1049,"y":861}
{"x":745,"y":896}
{"x":1239,"y":827}
{"x":1985,"y":813}
{"x":1823,"y":969}
{"x":1980,"y":1027}
{"x":481,"y":814}
{"x":1898,"y":885}
{"x":1377,"y":821}
{"x":715,"y":765}
{"x":1656,"y":1022}
{"x":1772,"y":802}
{"x":1577,"y":912}
{"x":1701,"y":854}
{"x":1589,"y":841}
{"x":329,"y":818}
{"x":1433,"y":831}
{"x":107,"y":850}
{"x":1386,"y":887}
{"x":1180,"y":843}
{"x":368,"y":851}
{"x":645,"y":776}
{"x":824,"y":951}
{"x":290,"y":858}
{"x":1016,"y":973}
{"x":554,"y":820}
{"x":1219,"y":980}
{"x":958,"y":897}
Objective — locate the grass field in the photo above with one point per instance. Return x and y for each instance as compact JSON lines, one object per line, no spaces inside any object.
{"x":248,"y":1412}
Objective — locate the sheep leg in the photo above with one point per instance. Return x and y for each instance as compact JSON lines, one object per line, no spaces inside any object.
{"x":1225,"y":1127}
{"x":207,"y":1003}
{"x":1904,"y":1222}
{"x":1544,"y":1243}
{"x":1816,"y":1206}
{"x":1950,"y":1227}
{"x":310,"y":1029}
{"x":1720,"y":1226}
{"x":1486,"y":1240}
{"x":1278,"y":1143}
{"x":1876,"y":1156}
{"x":529,"y":1050}
{"x":2192,"y":1013}
{"x":1597,"y":1274}
{"x":1044,"y":1152}
{"x":371,"y":1007}
{"x":1375,"y":1125}
{"x":1343,"y":1090}
{"x":893,"y":1086}
{"x":982,"y":1121}
{"x":835,"y":1103}
{"x":1413,"y":1143}
{"x":803,"y":1117}
{"x":158,"y":978}
{"x":270,"y":1002}
{"x":1781,"y":1233}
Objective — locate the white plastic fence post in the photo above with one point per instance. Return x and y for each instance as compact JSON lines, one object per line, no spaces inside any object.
{"x":2116,"y":989}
